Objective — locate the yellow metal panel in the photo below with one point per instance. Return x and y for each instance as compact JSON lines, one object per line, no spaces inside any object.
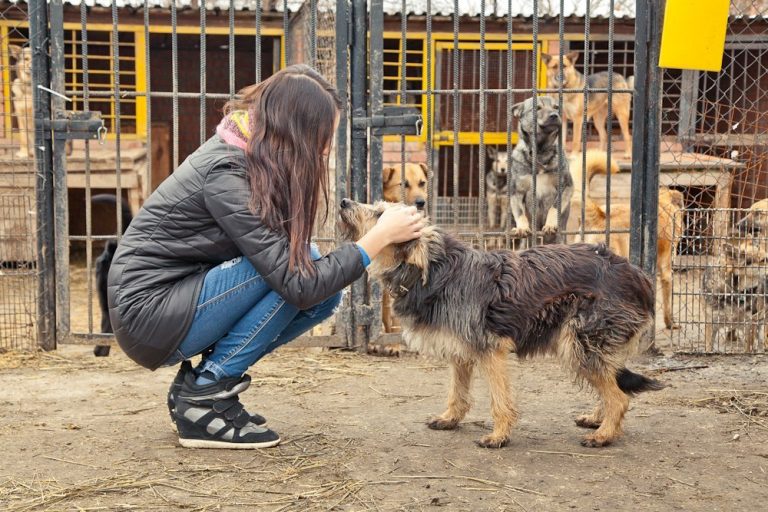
{"x":7,"y":108}
{"x":141,"y":84}
{"x":693,"y":36}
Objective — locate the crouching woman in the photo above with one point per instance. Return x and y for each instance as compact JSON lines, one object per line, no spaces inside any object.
{"x":218,"y":261}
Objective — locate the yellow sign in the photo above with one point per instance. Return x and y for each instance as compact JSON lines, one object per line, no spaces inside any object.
{"x":693,"y":36}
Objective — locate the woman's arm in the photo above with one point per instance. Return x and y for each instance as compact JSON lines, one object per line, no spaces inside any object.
{"x":227,"y":196}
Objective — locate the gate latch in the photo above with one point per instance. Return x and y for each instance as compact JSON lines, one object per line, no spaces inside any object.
{"x":75,"y":125}
{"x":392,"y":120}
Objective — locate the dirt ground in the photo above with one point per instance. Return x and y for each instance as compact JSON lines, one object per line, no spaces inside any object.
{"x":81,"y":433}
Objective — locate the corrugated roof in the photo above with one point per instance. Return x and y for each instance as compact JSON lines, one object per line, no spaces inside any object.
{"x":467,"y":8}
{"x":521,"y":8}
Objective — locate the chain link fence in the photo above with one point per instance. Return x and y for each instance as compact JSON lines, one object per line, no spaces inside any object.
{"x":18,"y":241}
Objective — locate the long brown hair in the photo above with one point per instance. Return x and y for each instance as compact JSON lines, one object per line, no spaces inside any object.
{"x":292,"y":115}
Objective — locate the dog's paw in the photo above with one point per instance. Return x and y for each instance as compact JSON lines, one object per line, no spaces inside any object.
{"x":442,"y":424}
{"x":548,"y":230}
{"x":587,"y":421}
{"x":521,"y":232}
{"x":491,"y":441}
{"x":595,"y":441}
{"x":101,"y":350}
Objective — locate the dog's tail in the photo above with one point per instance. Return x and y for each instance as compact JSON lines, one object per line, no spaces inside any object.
{"x":111,"y":199}
{"x":596,"y":163}
{"x":631,"y":383}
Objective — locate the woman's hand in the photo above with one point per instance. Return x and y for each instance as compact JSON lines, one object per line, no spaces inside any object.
{"x":396,"y":225}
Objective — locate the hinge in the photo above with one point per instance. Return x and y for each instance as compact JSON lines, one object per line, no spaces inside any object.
{"x":74,"y":125}
{"x":392,"y":120}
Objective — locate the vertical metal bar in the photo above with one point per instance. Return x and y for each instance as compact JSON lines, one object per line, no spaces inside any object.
{"x":46,"y":296}
{"x":375,"y":185}
{"x":510,"y":101}
{"x":645,"y":136}
{"x":204,"y":67}
{"x":403,"y":83}
{"x":342,"y":133}
{"x":376,"y":73}
{"x":88,"y":205}
{"x":342,"y":86}
{"x":609,"y":123}
{"x":174,"y":85}
{"x":313,"y":33}
{"x":231,"y":49}
{"x":564,"y":135}
{"x":60,"y":199}
{"x":148,"y":87}
{"x":286,"y":18}
{"x":534,"y":149}
{"x":456,"y":107}
{"x":431,"y":186}
{"x":482,"y":217}
{"x":257,"y":43}
{"x":116,"y":99}
{"x":359,"y":150}
{"x":584,"y":120}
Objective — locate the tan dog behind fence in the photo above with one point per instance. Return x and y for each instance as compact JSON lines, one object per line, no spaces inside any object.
{"x":415,"y":188}
{"x":21,"y":94}
{"x":670,"y":223}
{"x":597,"y":104}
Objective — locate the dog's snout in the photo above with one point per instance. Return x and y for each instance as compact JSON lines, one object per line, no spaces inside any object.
{"x":553,"y":116}
{"x":345,"y":203}
{"x":420,"y":203}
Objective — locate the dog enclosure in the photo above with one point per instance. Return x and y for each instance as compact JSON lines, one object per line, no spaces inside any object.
{"x":716,"y":124}
{"x":427,"y":82}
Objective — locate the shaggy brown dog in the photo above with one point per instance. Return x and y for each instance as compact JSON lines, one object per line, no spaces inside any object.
{"x":579,"y":302}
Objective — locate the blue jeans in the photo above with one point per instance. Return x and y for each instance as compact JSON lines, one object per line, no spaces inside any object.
{"x":239,"y":319}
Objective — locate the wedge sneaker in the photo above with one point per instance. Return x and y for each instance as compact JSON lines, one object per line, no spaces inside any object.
{"x":173,"y":393}
{"x":211,"y":416}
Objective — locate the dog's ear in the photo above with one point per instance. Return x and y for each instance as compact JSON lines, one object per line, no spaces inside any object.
{"x":14,"y":51}
{"x":517,"y":109}
{"x":425,"y":169}
{"x":546,"y":58}
{"x":572,"y":57}
{"x":492,"y":152}
{"x":416,"y":252}
{"x":389,"y":173}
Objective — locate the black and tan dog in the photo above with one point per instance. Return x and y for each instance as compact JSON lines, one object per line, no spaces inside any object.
{"x":597,"y":103}
{"x":580,"y":302}
{"x":103,"y":262}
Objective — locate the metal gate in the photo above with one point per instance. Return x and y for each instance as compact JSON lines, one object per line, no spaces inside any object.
{"x":432,"y":83}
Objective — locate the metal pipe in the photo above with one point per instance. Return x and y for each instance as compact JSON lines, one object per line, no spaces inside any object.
{"x":46,"y":296}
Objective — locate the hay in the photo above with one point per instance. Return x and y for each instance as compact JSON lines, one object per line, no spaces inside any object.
{"x":751,"y":405}
{"x":305,"y":473}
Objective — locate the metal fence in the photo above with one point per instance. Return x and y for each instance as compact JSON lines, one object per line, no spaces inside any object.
{"x":715,"y":154}
{"x":158,"y":74}
{"x":18,"y":228}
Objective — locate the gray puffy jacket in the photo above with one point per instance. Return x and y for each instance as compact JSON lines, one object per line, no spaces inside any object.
{"x":197,"y":218}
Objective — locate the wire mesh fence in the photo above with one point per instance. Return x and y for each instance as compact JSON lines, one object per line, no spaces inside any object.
{"x":18,"y":241}
{"x":720,"y":292}
{"x":713,"y":142}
